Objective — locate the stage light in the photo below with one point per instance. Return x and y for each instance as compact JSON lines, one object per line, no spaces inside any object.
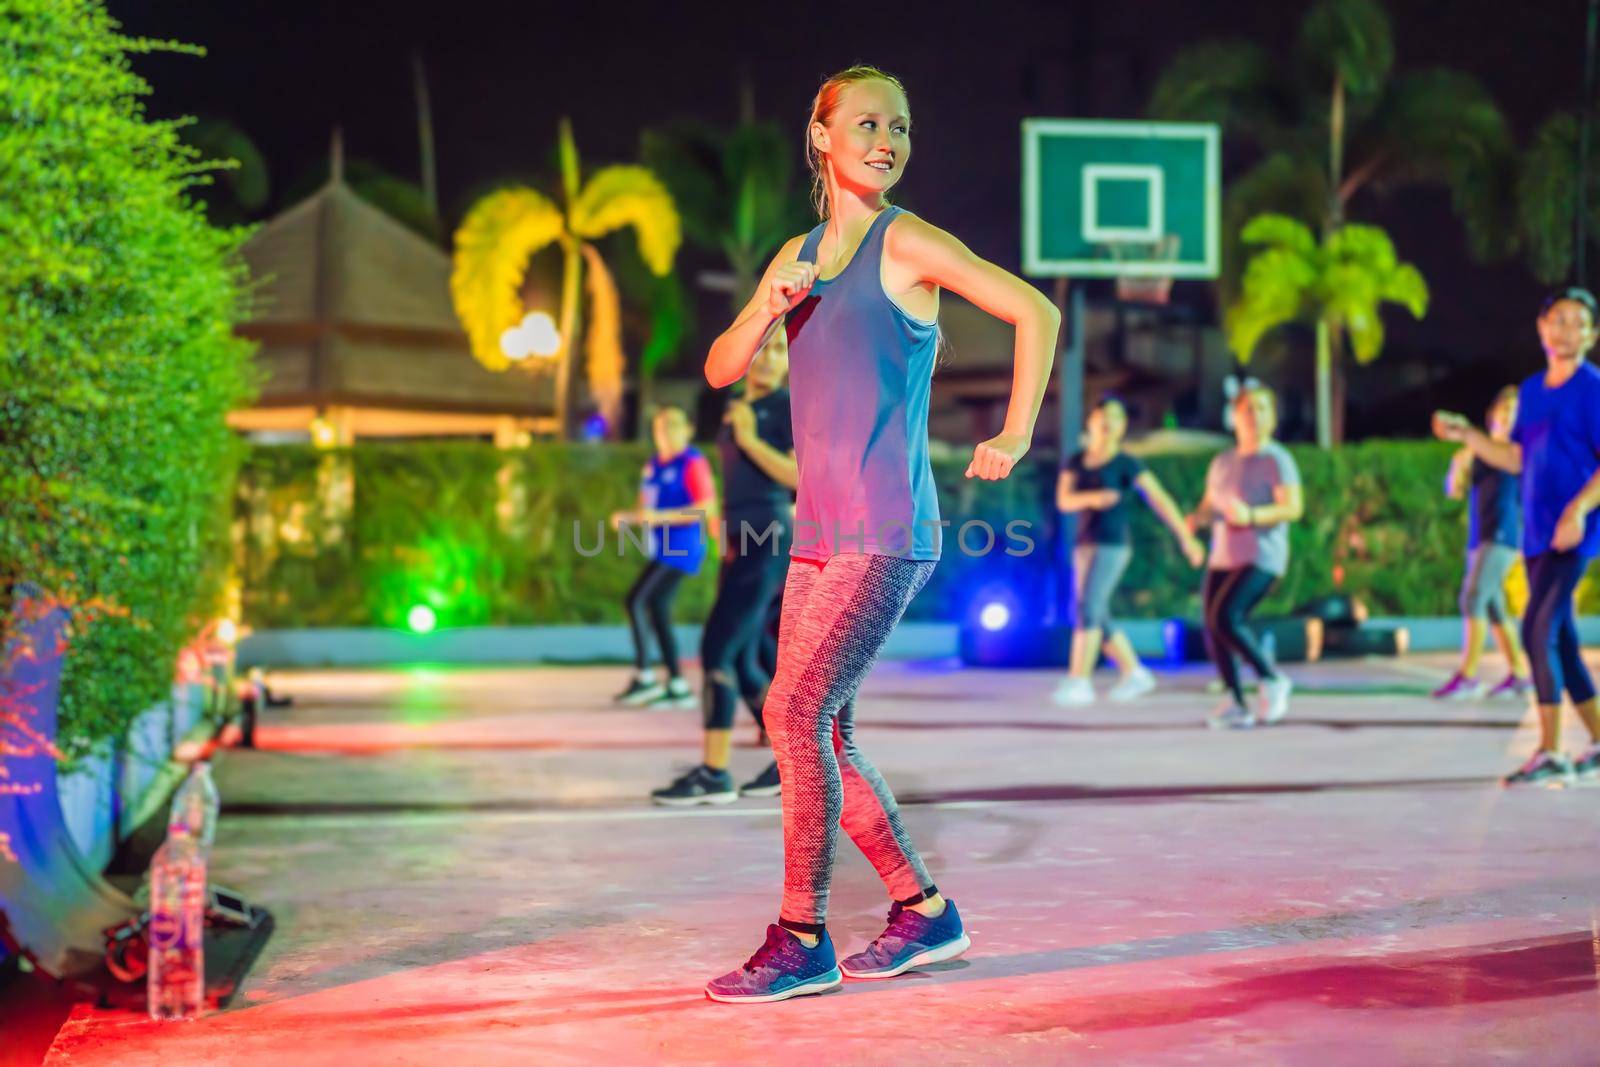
{"x":421,"y":619}
{"x":994,"y":616}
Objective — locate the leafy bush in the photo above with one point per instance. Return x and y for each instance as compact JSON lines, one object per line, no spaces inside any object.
{"x":487,"y":536}
{"x":117,"y":361}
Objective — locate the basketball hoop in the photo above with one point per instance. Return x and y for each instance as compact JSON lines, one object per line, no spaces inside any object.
{"x":1145,"y":288}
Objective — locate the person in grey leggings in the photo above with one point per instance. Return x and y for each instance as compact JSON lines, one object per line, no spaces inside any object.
{"x":1494,"y":538}
{"x":858,"y":297}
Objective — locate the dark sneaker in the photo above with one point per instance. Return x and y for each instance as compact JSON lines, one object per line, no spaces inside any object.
{"x":700,"y":786}
{"x":1512,"y":687}
{"x":910,"y":940}
{"x":675,"y":694}
{"x":765,"y":784}
{"x":640,"y":691}
{"x":781,"y":968}
{"x":1544,"y":768}
{"x":1588,"y":764}
{"x":1459,"y":687}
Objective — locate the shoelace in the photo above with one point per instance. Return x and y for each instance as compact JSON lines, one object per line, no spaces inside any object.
{"x":895,"y":911}
{"x":773,"y":946}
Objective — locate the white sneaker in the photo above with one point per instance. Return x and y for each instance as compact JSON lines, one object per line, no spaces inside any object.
{"x":1073,"y":693}
{"x":1230,"y":716}
{"x":676,"y":694}
{"x":1134,"y":686}
{"x":1275,"y":698}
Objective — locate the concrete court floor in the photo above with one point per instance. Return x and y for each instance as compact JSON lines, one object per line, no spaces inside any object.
{"x":464,"y":872}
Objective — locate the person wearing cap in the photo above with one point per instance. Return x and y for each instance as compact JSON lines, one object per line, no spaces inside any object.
{"x":1555,"y":447}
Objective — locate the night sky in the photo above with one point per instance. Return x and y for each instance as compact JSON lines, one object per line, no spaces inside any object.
{"x":501,"y":75}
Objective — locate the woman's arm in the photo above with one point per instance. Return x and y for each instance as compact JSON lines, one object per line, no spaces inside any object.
{"x":780,"y":466}
{"x":1205,"y":512}
{"x":1155,"y":494}
{"x":1571,"y":526}
{"x":1507,"y":455}
{"x":936,"y":258}
{"x":785,"y":283}
{"x":1288,"y":504}
{"x":1456,"y":478}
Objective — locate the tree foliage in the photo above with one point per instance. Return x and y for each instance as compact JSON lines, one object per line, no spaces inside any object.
{"x":1435,"y":126}
{"x":505,"y":229}
{"x":1342,"y":281}
{"x":117,"y":359}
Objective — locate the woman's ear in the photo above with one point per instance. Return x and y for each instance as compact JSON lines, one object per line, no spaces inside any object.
{"x":819,"y":137}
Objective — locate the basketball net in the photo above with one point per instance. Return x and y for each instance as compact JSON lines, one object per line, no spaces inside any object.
{"x":1148,"y":288}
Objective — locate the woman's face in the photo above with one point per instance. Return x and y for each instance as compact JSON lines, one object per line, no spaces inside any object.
{"x":1566,"y":331}
{"x":1107,"y":425}
{"x":867,"y":141}
{"x":671,"y":432}
{"x":1255,"y":418}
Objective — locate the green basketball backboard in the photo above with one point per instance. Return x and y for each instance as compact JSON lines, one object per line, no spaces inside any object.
{"x":1120,"y":199}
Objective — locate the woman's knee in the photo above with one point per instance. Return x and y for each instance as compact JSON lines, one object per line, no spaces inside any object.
{"x":1536,"y":630}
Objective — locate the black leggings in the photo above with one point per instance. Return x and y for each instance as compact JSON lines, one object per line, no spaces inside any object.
{"x":733,"y":646}
{"x":1229,"y":598}
{"x":1549,"y":631}
{"x":650,"y":610}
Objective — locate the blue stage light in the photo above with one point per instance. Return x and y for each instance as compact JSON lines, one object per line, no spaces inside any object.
{"x":994,"y":616}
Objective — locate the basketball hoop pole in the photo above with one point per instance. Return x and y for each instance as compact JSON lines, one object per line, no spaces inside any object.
{"x":1070,"y":299}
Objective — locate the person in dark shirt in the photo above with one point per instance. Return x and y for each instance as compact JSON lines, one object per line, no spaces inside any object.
{"x":1494,"y":534}
{"x":1098,"y":485}
{"x":759,"y":474}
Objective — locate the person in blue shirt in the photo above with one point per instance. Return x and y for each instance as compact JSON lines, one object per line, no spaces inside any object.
{"x":677,"y":504}
{"x":1494,"y":539}
{"x":1555,"y":447}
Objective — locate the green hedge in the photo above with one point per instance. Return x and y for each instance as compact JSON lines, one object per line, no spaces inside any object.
{"x":117,"y":362}
{"x":486,"y":537}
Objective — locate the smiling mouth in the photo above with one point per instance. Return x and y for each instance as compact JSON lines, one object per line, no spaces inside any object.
{"x":881,"y":164}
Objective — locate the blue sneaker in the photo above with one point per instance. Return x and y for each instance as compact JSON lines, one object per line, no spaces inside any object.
{"x":780,"y":969}
{"x":910,"y":940}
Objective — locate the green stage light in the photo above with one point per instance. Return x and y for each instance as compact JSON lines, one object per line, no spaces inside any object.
{"x":421,"y":619}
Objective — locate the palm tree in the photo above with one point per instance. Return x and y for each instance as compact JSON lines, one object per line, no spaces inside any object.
{"x":1547,"y":198}
{"x":735,"y":190}
{"x":1337,"y":284}
{"x":1336,"y":120}
{"x":503,"y":230}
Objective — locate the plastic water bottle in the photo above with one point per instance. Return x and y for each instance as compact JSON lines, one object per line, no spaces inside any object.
{"x":177,"y":972}
{"x":195,"y":806}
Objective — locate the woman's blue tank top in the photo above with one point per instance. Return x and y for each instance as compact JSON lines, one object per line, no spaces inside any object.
{"x":860,"y":370}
